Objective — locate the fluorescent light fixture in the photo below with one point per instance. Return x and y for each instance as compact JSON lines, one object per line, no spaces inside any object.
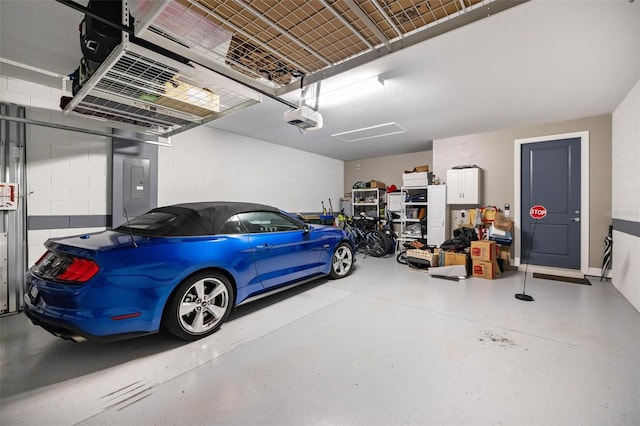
{"x":343,"y":94}
{"x":371,"y":132}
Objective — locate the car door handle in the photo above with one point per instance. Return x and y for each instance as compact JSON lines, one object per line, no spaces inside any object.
{"x":263,"y":246}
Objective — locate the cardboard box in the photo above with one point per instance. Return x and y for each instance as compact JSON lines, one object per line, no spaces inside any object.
{"x":484,"y":269}
{"x":417,"y":179}
{"x":433,"y":258}
{"x":483,"y":250}
{"x":504,"y":253}
{"x":424,"y":168}
{"x":377,"y":184}
{"x":502,"y":222}
{"x":452,"y":258}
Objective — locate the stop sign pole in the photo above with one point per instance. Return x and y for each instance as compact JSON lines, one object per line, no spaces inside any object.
{"x":536,"y":212}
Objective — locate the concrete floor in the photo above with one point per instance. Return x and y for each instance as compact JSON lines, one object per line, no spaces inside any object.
{"x":385,"y":346}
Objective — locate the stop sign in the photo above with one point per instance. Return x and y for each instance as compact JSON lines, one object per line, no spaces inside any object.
{"x":538,"y":212}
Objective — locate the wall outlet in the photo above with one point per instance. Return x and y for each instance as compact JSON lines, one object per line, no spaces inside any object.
{"x":460,"y":217}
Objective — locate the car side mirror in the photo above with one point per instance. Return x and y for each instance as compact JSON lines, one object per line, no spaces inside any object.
{"x":306,"y":228}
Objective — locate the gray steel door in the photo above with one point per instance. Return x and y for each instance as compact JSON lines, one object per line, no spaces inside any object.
{"x":551,"y":178}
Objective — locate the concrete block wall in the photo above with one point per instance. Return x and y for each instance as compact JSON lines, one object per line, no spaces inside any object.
{"x":29,"y":94}
{"x":207,"y":164}
{"x":68,"y":173}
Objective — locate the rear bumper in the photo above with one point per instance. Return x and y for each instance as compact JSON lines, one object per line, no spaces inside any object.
{"x":69,"y":332}
{"x":90,"y":311}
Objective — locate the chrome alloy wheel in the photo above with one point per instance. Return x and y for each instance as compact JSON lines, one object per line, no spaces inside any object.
{"x":203,"y":305}
{"x":342,"y":261}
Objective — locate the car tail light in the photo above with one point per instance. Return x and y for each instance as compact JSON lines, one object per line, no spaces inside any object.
{"x":70,"y":269}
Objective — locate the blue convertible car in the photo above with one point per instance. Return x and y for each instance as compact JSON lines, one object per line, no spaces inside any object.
{"x":181,"y":268}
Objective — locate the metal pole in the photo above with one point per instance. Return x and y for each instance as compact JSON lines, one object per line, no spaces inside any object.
{"x":81,"y":130}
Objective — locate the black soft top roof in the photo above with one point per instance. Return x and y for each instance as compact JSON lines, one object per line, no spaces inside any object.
{"x":193,"y":219}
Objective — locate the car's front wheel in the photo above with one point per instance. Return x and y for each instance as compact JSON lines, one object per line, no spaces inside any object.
{"x":342,"y":261}
{"x":199,"y":306}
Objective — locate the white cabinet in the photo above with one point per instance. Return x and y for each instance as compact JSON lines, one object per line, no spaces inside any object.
{"x":437,"y":216}
{"x":424,"y":202}
{"x":463,"y":186}
{"x":371,"y":201}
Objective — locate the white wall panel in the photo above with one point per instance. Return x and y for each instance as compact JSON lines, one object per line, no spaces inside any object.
{"x":98,"y":207}
{"x":35,"y":245}
{"x":626,"y":157}
{"x":39,"y":207}
{"x":208,"y":164}
{"x":625,"y":266}
{"x":30,"y":94}
{"x":626,"y":196}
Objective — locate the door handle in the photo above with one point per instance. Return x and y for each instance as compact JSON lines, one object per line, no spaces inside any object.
{"x":575,"y":219}
{"x":263,"y":246}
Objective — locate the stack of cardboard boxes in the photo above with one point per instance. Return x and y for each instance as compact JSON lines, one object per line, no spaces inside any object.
{"x":483,"y":256}
{"x":419,"y":176}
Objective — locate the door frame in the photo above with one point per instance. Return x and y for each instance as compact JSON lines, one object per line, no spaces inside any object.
{"x":584,"y":200}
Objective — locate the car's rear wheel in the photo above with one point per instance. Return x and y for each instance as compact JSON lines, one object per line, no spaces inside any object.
{"x":199,"y":306}
{"x":342,"y":261}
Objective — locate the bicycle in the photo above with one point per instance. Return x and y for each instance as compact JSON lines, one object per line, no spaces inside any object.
{"x":369,"y":239}
{"x":390,"y":234}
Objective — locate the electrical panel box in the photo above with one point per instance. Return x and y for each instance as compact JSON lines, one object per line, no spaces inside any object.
{"x":136,"y":186}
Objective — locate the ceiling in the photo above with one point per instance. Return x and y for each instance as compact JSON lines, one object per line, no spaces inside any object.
{"x":448,"y":68}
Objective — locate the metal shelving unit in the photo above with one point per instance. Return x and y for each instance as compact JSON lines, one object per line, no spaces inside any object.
{"x":370,"y":201}
{"x":139,"y":89}
{"x":413,"y":207}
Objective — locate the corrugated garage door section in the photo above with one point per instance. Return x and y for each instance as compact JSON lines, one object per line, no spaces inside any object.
{"x":13,"y":238}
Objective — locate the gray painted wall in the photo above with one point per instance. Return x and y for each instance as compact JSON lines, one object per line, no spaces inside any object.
{"x":385,"y":169}
{"x":494,"y":153}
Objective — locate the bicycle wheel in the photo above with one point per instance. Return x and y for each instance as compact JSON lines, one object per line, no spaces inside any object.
{"x":391,"y":241}
{"x":377,"y":243}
